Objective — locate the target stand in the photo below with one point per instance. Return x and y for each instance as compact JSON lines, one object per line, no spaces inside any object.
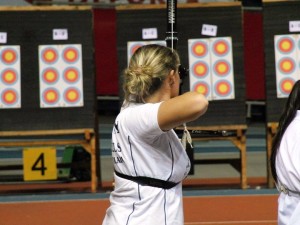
{"x":233,"y":133}
{"x":281,"y":58}
{"x":74,"y":137}
{"x":271,"y":131}
{"x":47,"y":86}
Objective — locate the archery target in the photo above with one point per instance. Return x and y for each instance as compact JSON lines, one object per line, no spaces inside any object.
{"x":286,"y":85}
{"x":222,"y":68}
{"x":10,"y":77}
{"x":51,"y":96}
{"x":202,"y":87}
{"x":61,"y":81}
{"x":287,"y":63}
{"x":199,"y":48}
{"x":221,"y":46}
{"x":199,"y":64}
{"x":223,"y":88}
{"x":211,"y":67}
{"x":132,"y":46}
{"x":49,"y":55}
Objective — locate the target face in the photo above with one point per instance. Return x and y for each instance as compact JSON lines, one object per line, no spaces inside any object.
{"x":61,"y":81}
{"x":9,"y":56}
{"x":287,"y":65}
{"x":287,"y":58}
{"x":71,"y":75}
{"x":49,"y":55}
{"x":202,"y":88}
{"x":220,"y":47}
{"x":285,"y":45}
{"x":222,"y":68}
{"x":132,"y":46}
{"x":72,"y":95}
{"x":70,"y":54}
{"x":10,"y":77}
{"x":51,"y":96}
{"x":9,"y":96}
{"x":200,"y":69}
{"x":223,"y":88}
{"x":211,"y":63}
{"x":50,"y":75}
{"x":286,"y":86}
{"x":200,"y":49}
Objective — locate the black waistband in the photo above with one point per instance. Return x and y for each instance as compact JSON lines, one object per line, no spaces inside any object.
{"x":148,"y":181}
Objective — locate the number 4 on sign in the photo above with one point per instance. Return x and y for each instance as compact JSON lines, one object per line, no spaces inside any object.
{"x":39,"y":164}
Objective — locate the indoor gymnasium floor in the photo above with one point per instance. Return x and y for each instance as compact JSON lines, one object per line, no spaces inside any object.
{"x":212,"y":195}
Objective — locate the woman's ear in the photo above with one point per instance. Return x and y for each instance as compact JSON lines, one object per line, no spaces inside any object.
{"x":171,"y":77}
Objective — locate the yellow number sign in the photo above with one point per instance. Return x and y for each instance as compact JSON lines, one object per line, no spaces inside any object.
{"x":39,"y":164}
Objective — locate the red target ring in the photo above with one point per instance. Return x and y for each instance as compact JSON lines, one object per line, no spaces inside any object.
{"x":286,"y":85}
{"x":9,"y":56}
{"x":9,"y":76}
{"x":200,"y":69}
{"x":50,"y":96}
{"x":199,"y":49}
{"x":222,"y":68}
{"x":50,"y":75}
{"x":287,"y":65}
{"x":202,"y":88}
{"x":71,"y":75}
{"x":223,"y":88}
{"x":221,"y":47}
{"x":49,"y":55}
{"x":70,"y":55}
{"x":285,"y":45}
{"x":72,"y":95}
{"x":9,"y":96}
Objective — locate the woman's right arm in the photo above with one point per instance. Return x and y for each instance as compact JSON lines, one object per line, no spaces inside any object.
{"x":181,"y":109}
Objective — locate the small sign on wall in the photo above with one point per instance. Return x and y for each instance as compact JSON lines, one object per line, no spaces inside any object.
{"x":3,"y":37}
{"x":60,"y":34}
{"x":39,"y":164}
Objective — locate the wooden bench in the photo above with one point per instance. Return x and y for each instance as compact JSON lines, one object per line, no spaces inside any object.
{"x":233,"y":133}
{"x":83,"y":137}
{"x":271,"y":131}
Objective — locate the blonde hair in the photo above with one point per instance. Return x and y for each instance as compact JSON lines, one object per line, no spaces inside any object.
{"x":148,"y":68}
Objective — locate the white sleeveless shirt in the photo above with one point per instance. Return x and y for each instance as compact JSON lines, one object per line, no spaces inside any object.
{"x":141,"y":148}
{"x":288,"y":171}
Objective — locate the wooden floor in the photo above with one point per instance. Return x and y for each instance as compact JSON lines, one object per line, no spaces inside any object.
{"x":89,"y":209}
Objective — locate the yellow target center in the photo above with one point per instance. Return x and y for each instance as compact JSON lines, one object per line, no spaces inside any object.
{"x":223,"y":88}
{"x":201,"y":89}
{"x":50,"y":75}
{"x":51,"y":96}
{"x":222,"y":68}
{"x":72,"y":95}
{"x":9,"y":97}
{"x":199,"y":49}
{"x":49,"y":55}
{"x":287,"y":65}
{"x":287,"y":86}
{"x":200,"y":69}
{"x":71,"y":75}
{"x":221,"y":48}
{"x":71,"y":55}
{"x":9,"y":77}
{"x":9,"y":56}
{"x":285,"y":45}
